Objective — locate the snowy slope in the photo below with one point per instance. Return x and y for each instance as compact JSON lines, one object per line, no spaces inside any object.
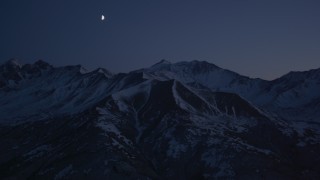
{"x":207,"y":75}
{"x":44,"y":92}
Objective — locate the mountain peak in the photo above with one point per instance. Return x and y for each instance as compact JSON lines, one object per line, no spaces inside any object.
{"x":104,"y":71}
{"x":12,"y":63}
{"x":162,"y":62}
{"x":42,"y":64}
{"x":204,"y":63}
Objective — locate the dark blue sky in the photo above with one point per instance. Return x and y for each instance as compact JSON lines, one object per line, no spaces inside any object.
{"x":257,"y":38}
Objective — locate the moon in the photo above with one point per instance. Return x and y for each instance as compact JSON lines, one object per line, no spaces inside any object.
{"x":102,"y":17}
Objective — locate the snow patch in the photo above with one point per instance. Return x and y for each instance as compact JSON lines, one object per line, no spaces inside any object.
{"x":64,"y":172}
{"x":38,"y":152}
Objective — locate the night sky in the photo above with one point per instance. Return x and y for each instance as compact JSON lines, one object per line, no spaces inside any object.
{"x":257,"y":38}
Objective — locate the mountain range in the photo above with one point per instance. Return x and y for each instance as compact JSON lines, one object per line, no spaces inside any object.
{"x":185,"y":120}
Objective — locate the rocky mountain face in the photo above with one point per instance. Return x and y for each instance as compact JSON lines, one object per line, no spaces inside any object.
{"x":186,"y":120}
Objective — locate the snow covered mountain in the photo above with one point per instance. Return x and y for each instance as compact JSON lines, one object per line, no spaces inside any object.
{"x":186,"y":120}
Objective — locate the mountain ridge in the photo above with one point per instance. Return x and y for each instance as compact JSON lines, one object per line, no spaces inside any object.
{"x":189,"y":120}
{"x":43,"y":63}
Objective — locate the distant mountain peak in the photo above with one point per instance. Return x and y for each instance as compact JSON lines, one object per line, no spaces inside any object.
{"x":162,"y":62}
{"x":104,"y":71}
{"x":12,"y":63}
{"x":204,"y":64}
{"x":42,"y":64}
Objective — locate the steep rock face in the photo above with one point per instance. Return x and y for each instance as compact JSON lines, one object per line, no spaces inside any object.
{"x":188,"y":120}
{"x":181,"y":128}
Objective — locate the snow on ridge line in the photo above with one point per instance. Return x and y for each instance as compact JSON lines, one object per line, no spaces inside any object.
{"x":118,"y":96}
{"x":131,"y":90}
{"x":179,"y":101}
